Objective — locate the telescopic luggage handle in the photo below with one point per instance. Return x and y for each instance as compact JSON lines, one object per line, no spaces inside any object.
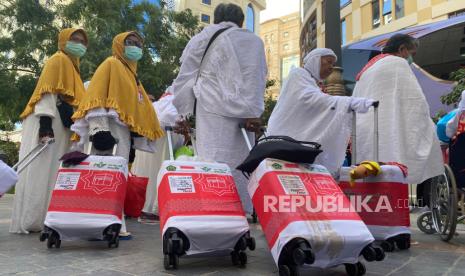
{"x":169,"y":130}
{"x":246,"y":137}
{"x":32,"y":155}
{"x":375,"y":135}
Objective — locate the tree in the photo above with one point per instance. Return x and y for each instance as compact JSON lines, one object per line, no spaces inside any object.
{"x":454,"y":96}
{"x":28,"y":38}
{"x":31,"y":37}
{"x":270,"y":102}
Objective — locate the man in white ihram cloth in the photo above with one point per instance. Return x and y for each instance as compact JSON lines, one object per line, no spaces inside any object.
{"x":406,"y":132}
{"x":229,"y":90}
{"x":305,"y":113}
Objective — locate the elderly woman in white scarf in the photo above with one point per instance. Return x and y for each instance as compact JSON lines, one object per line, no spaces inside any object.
{"x":305,"y":113}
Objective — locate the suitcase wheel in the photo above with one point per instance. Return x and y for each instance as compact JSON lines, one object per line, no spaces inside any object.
{"x":285,"y":270}
{"x":357,"y":269}
{"x":403,"y":242}
{"x":387,"y":245}
{"x":238,"y":258}
{"x":54,"y":240}
{"x":114,"y":241}
{"x":242,"y":258}
{"x":166,"y":261}
{"x":43,"y":236}
{"x":369,"y":253}
{"x":380,"y":255}
{"x":251,"y":243}
{"x":241,"y":244}
{"x":170,"y":261}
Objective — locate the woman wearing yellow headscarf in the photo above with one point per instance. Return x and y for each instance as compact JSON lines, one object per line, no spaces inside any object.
{"x":48,"y":115}
{"x":116,"y":108}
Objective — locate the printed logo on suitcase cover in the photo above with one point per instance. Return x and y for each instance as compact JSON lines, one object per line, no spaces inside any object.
{"x":196,"y":189}
{"x":96,"y":186}
{"x":391,"y":185}
{"x":287,"y":185}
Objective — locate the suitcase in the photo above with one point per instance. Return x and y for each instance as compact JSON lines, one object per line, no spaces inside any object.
{"x":87,"y":202}
{"x":391,"y":225}
{"x":299,"y":230}
{"x":200,"y":211}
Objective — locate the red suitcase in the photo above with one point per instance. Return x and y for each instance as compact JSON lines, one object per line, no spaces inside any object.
{"x":200,"y":211}
{"x":391,"y":225}
{"x":289,"y":201}
{"x":87,"y":201}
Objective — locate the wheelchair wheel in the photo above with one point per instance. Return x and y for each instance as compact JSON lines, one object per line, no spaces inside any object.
{"x":444,"y":204}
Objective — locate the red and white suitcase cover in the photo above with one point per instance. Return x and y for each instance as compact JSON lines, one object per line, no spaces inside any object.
{"x":335,"y":237}
{"x":389,"y":192}
{"x":88,"y":197}
{"x":201,"y":200}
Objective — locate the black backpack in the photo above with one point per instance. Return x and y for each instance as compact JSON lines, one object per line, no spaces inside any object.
{"x":280,"y":147}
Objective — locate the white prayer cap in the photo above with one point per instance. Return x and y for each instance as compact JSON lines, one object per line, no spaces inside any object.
{"x":312,"y":61}
{"x":462,"y":101}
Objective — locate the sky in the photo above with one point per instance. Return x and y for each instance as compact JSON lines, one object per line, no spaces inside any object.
{"x":278,"y":8}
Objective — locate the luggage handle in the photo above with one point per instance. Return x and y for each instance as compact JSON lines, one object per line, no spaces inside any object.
{"x":375,"y":134}
{"x":169,"y":130}
{"x":246,"y":137}
{"x":89,"y":150}
{"x":36,"y":151}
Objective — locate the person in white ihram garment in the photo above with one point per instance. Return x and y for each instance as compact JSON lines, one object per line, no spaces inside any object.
{"x":148,"y":164}
{"x":229,"y":90}
{"x":305,"y":113}
{"x":407,"y":134}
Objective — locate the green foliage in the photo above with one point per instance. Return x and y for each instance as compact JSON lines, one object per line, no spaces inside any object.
{"x":10,"y":150}
{"x":454,"y":96}
{"x":31,"y":31}
{"x":270,"y":103}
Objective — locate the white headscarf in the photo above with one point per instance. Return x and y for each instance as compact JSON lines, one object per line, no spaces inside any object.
{"x":312,"y":61}
{"x":462,"y":102}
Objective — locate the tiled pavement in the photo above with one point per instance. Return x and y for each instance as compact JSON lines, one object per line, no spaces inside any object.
{"x":25,"y":255}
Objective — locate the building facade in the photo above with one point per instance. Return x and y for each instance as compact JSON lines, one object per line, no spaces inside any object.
{"x":361,"y":19}
{"x":281,"y":38}
{"x":204,"y":10}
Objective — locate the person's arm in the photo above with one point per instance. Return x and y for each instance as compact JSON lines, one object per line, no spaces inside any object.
{"x":46,"y":110}
{"x":99,"y":131}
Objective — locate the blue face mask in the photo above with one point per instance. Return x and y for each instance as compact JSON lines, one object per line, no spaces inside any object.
{"x":409,"y":59}
{"x":132,"y":53}
{"x":75,"y":49}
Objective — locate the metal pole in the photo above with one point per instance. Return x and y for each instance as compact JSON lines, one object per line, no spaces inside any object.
{"x":333,"y":28}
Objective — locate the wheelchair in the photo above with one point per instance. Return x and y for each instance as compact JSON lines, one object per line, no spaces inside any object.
{"x":447,"y":195}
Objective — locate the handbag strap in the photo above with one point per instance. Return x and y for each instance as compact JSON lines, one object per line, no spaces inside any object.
{"x":289,"y":139}
{"x":215,"y":35}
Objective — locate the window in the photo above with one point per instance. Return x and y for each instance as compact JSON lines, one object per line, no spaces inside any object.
{"x":205,"y":18}
{"x":207,"y":2}
{"x":286,"y":34}
{"x":250,"y":24}
{"x":387,"y":11}
{"x":344,"y":3}
{"x":286,"y":47}
{"x":375,"y":13}
{"x":462,"y":51}
{"x":400,"y":8}
{"x":343,"y":31}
